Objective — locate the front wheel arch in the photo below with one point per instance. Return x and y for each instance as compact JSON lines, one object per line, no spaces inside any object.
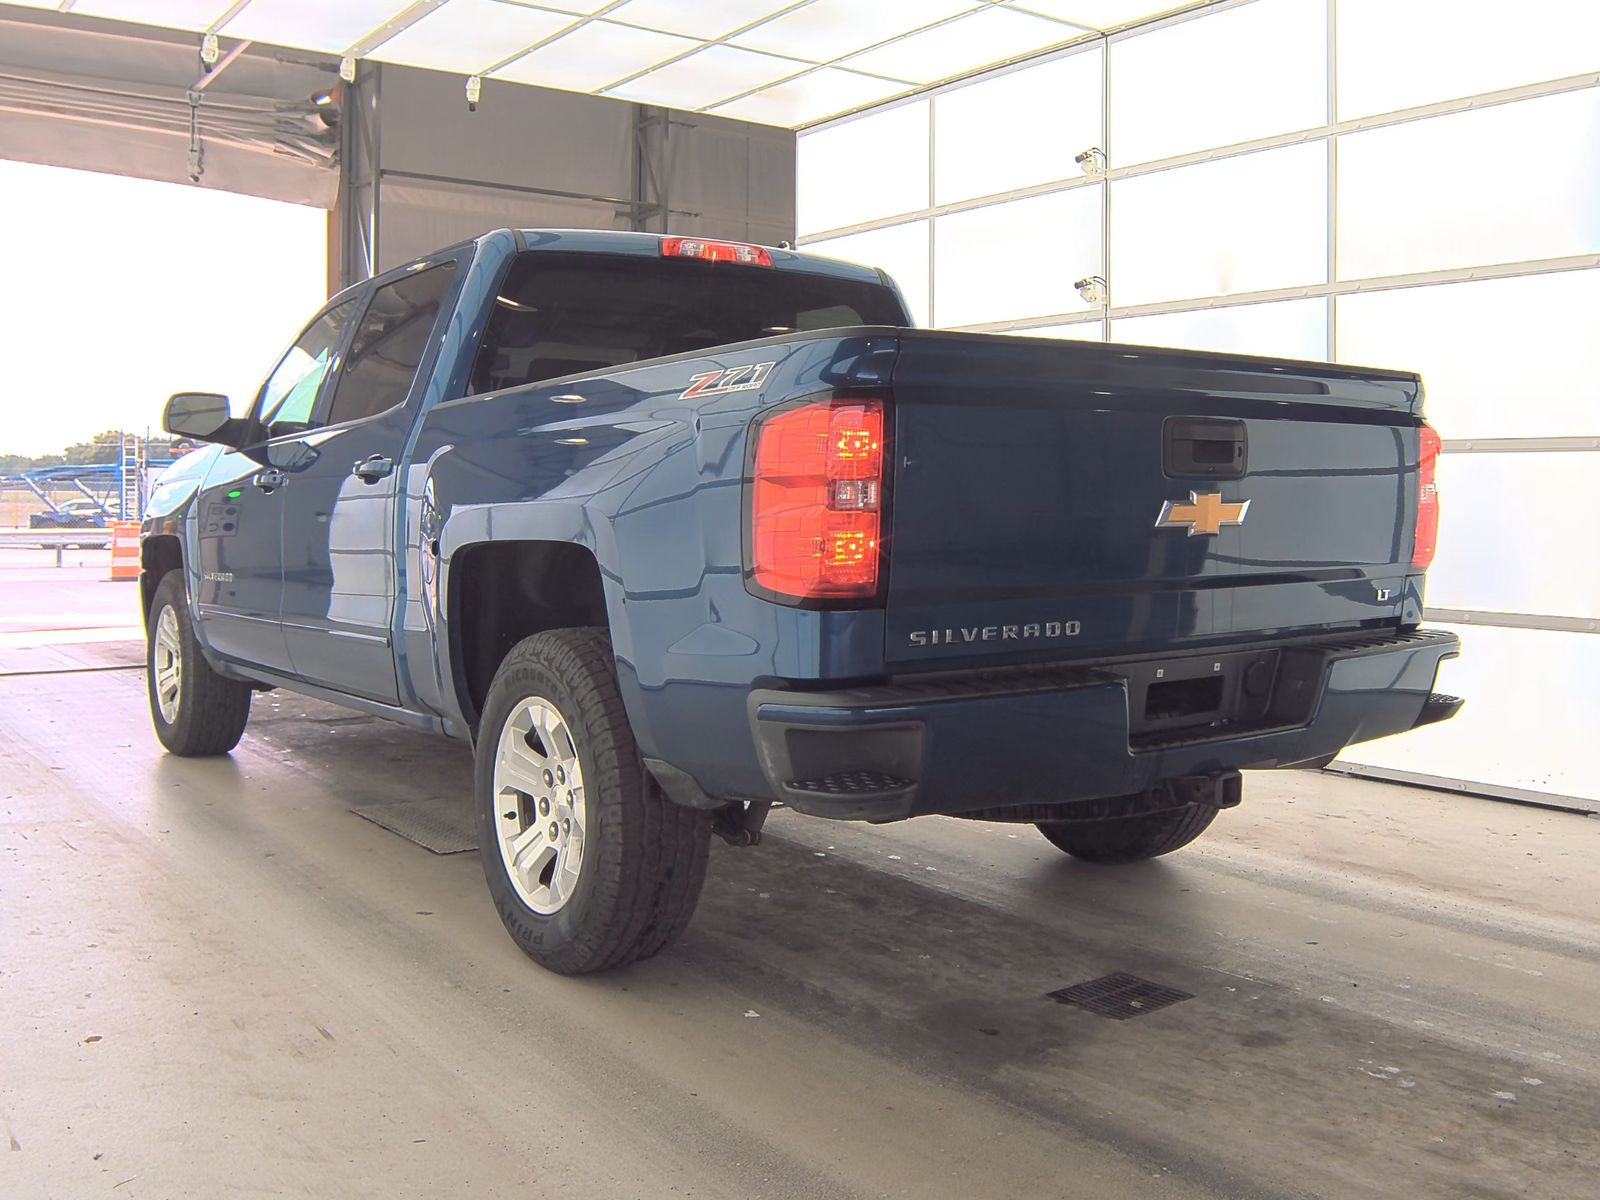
{"x":158,"y":556}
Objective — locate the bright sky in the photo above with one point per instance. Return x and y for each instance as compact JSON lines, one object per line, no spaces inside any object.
{"x":115,"y":293}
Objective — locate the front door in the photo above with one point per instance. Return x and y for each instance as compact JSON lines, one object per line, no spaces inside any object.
{"x":339,"y":550}
{"x":238,"y":587}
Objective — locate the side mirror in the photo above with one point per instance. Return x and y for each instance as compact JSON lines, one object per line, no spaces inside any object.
{"x":202,"y":415}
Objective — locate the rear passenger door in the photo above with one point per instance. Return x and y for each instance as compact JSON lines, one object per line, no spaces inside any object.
{"x":339,"y":499}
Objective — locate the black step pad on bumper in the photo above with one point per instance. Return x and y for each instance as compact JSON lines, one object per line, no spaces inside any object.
{"x":1438,"y":707}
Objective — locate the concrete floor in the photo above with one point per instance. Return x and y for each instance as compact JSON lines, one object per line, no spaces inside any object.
{"x":215,"y":979}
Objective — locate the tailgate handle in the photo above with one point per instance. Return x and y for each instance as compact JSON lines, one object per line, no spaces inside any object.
{"x":1203,"y":448}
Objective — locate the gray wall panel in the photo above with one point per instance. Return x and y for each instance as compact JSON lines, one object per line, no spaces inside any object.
{"x":420,"y":217}
{"x":730,"y":179}
{"x":448,"y":174}
{"x":520,"y":135}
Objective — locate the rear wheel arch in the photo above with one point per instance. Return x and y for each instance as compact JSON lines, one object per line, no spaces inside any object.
{"x":499,"y":593}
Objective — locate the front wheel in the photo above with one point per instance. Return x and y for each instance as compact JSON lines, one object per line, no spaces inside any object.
{"x":589,"y":864}
{"x":1132,"y":837}
{"x":196,"y":712}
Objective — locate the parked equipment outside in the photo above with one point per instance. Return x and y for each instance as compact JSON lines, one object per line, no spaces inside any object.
{"x":673,"y":530}
{"x":71,"y":514}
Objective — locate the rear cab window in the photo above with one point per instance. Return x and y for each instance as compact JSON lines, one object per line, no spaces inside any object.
{"x":567,"y":313}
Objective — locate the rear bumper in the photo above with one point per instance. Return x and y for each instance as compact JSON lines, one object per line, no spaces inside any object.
{"x":1056,"y":735}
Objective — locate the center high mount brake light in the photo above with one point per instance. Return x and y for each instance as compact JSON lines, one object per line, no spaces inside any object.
{"x":716,"y":252}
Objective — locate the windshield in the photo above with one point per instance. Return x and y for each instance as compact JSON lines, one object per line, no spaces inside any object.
{"x":562,"y":314}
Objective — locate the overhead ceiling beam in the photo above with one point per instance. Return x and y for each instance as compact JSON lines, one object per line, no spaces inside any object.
{"x":404,"y":19}
{"x":223,"y":63}
{"x":234,"y":9}
{"x":613,"y":12}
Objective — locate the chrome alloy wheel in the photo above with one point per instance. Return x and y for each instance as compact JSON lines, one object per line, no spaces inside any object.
{"x":167,"y":661}
{"x":539,"y":807}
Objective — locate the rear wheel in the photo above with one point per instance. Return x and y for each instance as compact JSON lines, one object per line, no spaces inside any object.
{"x":1131,"y":837}
{"x":196,"y":712}
{"x":589,"y":864}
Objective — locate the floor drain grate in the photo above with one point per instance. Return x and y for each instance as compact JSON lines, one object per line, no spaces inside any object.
{"x":1119,"y":996}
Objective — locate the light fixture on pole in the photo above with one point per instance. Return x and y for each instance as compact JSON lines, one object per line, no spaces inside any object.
{"x":1091,"y":161}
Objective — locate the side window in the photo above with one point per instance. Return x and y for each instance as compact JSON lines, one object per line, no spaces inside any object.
{"x":291,"y":390}
{"x":388,"y":345}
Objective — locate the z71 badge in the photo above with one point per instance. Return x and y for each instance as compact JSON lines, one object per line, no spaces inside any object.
{"x":734,"y":379}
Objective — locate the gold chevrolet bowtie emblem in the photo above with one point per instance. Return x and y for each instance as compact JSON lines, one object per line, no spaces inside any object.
{"x":1205,"y":513}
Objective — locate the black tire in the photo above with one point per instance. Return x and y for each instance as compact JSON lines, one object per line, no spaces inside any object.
{"x":1128,"y":839}
{"x":643,"y":858}
{"x":211,"y":709}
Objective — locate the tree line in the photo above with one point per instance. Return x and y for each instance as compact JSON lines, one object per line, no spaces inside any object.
{"x":102,"y":448}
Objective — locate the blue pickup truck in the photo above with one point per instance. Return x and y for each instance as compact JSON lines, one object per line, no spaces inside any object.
{"x":674,"y":530}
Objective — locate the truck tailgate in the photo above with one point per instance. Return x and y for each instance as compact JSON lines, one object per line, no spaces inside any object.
{"x":1030,"y":476}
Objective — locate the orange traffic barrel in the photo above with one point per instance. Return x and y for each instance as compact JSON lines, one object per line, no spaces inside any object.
{"x":125,"y":550}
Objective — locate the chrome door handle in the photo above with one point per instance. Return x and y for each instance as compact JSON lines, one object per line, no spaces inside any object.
{"x":373,"y":468}
{"x":269,"y":480}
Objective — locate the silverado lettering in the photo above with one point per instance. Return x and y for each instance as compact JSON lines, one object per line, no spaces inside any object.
{"x":990,"y":633}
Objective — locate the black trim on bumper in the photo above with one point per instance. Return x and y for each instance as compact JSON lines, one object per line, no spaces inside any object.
{"x":1053,"y":735}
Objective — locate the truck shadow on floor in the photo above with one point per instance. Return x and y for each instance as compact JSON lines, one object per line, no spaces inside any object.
{"x":950,"y":969}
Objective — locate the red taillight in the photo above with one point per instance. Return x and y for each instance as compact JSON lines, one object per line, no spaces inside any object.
{"x":1427,"y":540}
{"x":733,"y":252}
{"x":816,"y":501}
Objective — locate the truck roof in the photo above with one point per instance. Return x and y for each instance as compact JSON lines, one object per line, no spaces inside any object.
{"x":643,"y":245}
{"x":619,"y":241}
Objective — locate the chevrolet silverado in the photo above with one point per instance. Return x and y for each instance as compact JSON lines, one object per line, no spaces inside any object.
{"x":674,"y":530}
